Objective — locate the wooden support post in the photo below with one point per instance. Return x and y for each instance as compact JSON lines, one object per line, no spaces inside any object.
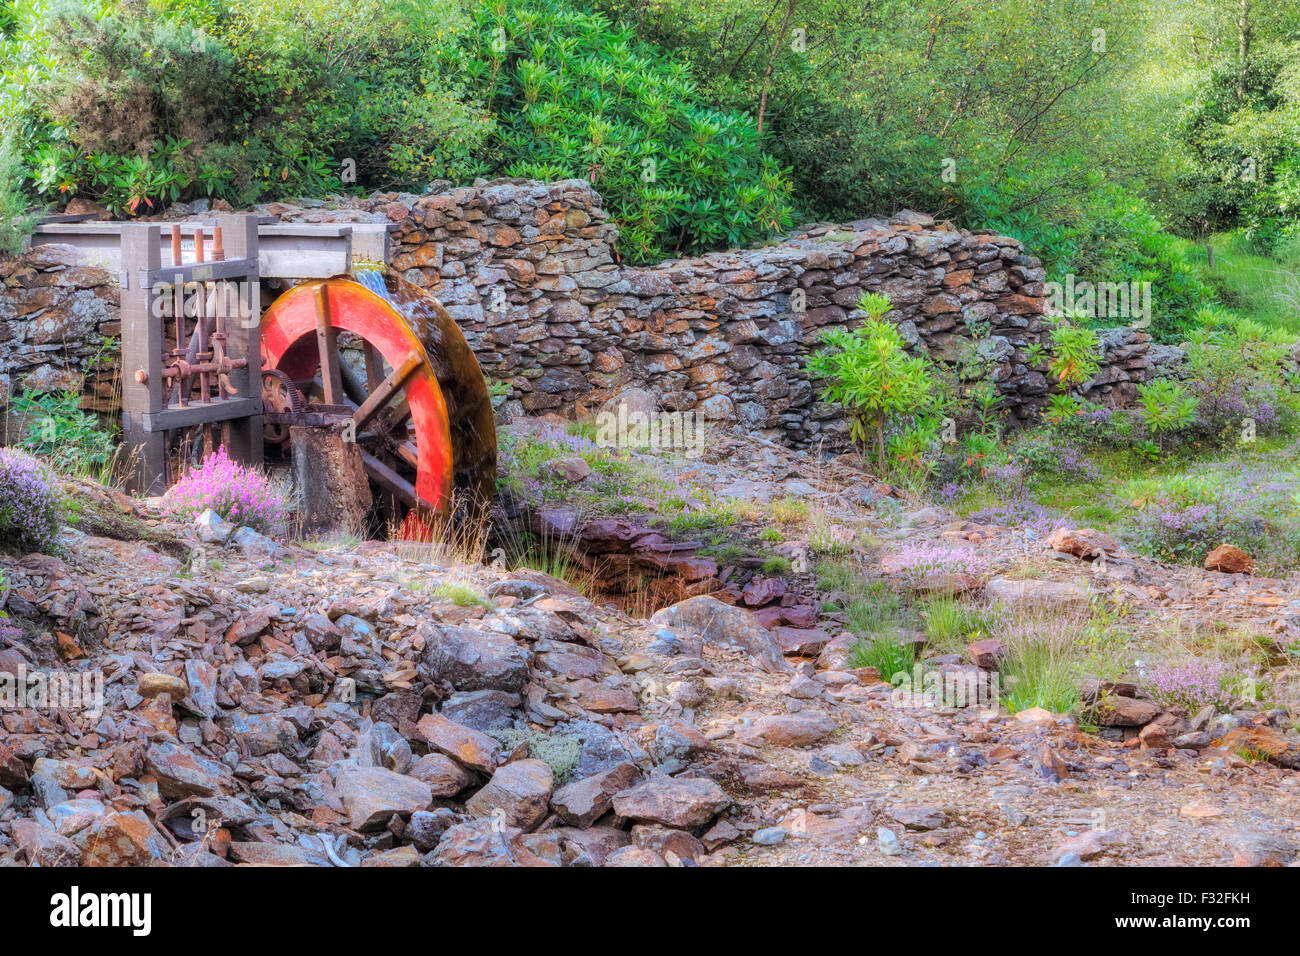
{"x":327,"y":344}
{"x":142,"y":344}
{"x":243,"y":436}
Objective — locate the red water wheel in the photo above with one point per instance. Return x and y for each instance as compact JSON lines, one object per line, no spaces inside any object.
{"x":384,"y":352}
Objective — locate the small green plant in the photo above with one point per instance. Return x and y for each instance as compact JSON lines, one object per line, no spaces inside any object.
{"x":1075,"y":354}
{"x":1167,"y":406}
{"x":885,"y":653}
{"x":776,"y":565}
{"x":949,"y":622}
{"x":771,"y":535}
{"x":460,"y":594}
{"x":870,"y":373}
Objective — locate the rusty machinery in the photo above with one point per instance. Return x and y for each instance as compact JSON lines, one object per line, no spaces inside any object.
{"x":350,"y":352}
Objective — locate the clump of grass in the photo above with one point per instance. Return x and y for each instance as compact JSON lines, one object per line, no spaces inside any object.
{"x":776,"y":565}
{"x":771,"y":535}
{"x":873,"y":611}
{"x":790,"y":511}
{"x":950,"y":623}
{"x":885,"y":653}
{"x":460,"y":594}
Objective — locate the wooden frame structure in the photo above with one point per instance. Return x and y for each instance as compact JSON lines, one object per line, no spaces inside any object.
{"x":210,"y":377}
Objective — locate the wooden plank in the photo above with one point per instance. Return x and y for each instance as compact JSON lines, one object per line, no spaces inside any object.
{"x":186,"y":416}
{"x":199,"y":272}
{"x":142,"y":379}
{"x":384,"y":392}
{"x":328,"y":349}
{"x":243,"y":437}
{"x":395,"y":484}
{"x":290,"y":250}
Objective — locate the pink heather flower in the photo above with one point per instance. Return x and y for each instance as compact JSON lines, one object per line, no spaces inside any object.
{"x":235,"y":492}
{"x":917,"y":562}
{"x":1191,"y":684}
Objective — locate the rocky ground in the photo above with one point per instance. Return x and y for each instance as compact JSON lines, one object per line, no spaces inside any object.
{"x":381,"y":704}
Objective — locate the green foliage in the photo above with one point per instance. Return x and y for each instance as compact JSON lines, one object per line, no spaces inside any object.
{"x":138,"y":103}
{"x":462,"y":595}
{"x":1167,"y":406}
{"x":61,"y":433}
{"x":875,"y":379}
{"x":1075,"y":355}
{"x":885,"y":653}
{"x":578,"y":97}
{"x":15,"y":221}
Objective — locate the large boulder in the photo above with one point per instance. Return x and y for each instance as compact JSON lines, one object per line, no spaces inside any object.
{"x":718,"y":623}
{"x":683,"y":802}
{"x":468,"y":659}
{"x":518,"y":792}
{"x":371,"y":795}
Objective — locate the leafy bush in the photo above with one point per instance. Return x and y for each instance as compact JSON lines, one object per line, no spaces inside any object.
{"x":15,"y":221}
{"x":59,"y":431}
{"x":238,"y":493}
{"x":136,"y":104}
{"x":1167,"y":406}
{"x":578,"y":97}
{"x":869,"y":373}
{"x":31,"y":504}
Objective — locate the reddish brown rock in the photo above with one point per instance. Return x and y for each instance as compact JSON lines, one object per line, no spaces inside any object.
{"x":762,"y":591}
{"x":518,"y":792}
{"x":372,"y":795}
{"x":986,"y":653}
{"x":444,"y":776}
{"x":682,"y":802}
{"x":1115,"y":711}
{"x":1084,"y":543}
{"x":788,"y":730}
{"x":802,"y":642}
{"x":475,"y":750}
{"x":582,"y":802}
{"x":1230,"y":560}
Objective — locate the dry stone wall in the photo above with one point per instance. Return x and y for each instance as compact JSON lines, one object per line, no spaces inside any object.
{"x":532,"y":274}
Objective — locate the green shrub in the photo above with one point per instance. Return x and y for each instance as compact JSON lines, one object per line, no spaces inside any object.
{"x":15,"y":222}
{"x":1167,"y":406}
{"x":59,"y":431}
{"x":868,"y":372}
{"x":136,"y":104}
{"x":577,"y":97}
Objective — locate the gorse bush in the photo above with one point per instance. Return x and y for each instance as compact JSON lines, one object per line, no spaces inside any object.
{"x":31,"y":504}
{"x":576,"y":97}
{"x":238,"y":493}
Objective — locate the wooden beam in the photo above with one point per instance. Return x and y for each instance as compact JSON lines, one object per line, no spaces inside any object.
{"x":142,"y":378}
{"x":243,"y":437}
{"x":383,"y":394}
{"x":328,"y":347}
